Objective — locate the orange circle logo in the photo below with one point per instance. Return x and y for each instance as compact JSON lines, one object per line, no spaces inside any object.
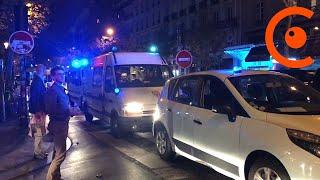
{"x":295,"y":37}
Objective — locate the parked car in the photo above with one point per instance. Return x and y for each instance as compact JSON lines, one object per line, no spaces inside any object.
{"x":245,"y":125}
{"x":124,"y":87}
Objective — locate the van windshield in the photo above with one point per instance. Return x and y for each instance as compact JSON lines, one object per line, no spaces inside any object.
{"x":278,"y":94}
{"x":142,"y":75}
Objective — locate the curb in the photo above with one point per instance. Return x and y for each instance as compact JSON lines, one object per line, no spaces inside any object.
{"x":29,"y":166}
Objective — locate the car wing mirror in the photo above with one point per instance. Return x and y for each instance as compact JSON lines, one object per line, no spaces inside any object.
{"x":230,"y":112}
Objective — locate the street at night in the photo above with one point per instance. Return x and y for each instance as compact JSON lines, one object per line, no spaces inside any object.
{"x":160,"y":89}
{"x":95,"y":154}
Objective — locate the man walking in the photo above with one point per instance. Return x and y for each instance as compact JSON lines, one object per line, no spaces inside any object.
{"x":59,"y":111}
{"x":36,"y":107}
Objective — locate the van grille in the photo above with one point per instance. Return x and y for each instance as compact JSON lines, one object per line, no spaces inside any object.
{"x":148,"y":112}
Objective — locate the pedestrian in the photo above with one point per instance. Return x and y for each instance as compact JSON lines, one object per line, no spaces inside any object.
{"x":59,"y":111}
{"x":37,"y":109}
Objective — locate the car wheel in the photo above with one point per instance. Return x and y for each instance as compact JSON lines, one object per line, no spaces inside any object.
{"x":115,"y":127}
{"x":267,"y":169}
{"x":163,"y":144}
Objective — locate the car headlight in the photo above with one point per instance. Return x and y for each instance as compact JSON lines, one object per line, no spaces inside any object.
{"x":156,"y":114}
{"x":133,"y":107}
{"x":307,"y":141}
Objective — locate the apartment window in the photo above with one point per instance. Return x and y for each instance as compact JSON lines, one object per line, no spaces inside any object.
{"x":229,"y":13}
{"x":166,"y":19}
{"x":203,"y":4}
{"x":174,"y":15}
{"x":213,"y":2}
{"x":314,"y":2}
{"x":260,"y":11}
{"x":153,"y":21}
{"x":158,"y":19}
{"x":215,"y":17}
{"x":147,"y":22}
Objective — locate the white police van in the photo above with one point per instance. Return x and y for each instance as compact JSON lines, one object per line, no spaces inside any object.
{"x":124,"y":87}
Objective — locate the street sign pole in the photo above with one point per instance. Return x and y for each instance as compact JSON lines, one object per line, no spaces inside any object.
{"x":3,"y":104}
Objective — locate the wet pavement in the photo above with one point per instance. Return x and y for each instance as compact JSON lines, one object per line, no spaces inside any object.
{"x":95,"y":154}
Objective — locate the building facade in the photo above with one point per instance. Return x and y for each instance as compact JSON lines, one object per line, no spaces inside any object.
{"x":204,"y":27}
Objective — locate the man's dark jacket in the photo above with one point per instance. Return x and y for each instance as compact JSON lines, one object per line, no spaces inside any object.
{"x":37,"y":92}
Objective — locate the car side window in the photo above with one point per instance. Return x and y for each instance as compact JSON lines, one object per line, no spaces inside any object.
{"x":216,"y":95}
{"x":186,"y":91}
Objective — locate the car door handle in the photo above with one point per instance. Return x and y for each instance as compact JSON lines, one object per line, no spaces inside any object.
{"x":197,"y":122}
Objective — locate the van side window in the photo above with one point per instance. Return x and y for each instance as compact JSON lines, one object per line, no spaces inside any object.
{"x":186,"y":92}
{"x":109,"y":85}
{"x":215,"y":95}
{"x":97,"y":76}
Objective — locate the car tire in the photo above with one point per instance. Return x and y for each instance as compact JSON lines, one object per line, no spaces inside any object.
{"x":163,"y":144}
{"x":115,"y":127}
{"x":268,"y":165}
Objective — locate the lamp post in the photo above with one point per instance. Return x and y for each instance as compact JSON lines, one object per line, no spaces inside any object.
{"x":3,"y":87}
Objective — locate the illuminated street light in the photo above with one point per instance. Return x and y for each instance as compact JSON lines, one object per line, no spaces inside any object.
{"x":29,"y":5}
{"x":316,"y":28}
{"x":110,"y":31}
{"x":6,"y":45}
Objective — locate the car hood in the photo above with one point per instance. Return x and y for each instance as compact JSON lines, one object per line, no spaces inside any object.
{"x":148,"y":96}
{"x":307,"y":123}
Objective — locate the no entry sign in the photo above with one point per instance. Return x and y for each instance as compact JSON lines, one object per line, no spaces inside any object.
{"x":21,"y":42}
{"x":184,"y":59}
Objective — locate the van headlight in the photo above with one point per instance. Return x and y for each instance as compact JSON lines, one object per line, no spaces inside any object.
{"x":133,"y":107}
{"x":156,"y":114}
{"x":307,"y":141}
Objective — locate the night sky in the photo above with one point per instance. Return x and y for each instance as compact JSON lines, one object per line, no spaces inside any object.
{"x":72,"y":24}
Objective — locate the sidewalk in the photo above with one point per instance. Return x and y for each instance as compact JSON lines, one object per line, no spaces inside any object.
{"x":16,"y":150}
{"x":21,"y":161}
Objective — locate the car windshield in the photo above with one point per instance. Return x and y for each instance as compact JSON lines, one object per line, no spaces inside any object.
{"x":278,"y":94}
{"x":142,"y":75}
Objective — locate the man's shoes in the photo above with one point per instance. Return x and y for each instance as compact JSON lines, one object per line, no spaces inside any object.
{"x":40,"y":156}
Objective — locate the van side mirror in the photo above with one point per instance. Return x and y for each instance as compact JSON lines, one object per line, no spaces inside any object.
{"x":230,"y":112}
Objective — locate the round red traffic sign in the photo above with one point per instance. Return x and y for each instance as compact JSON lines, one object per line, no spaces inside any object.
{"x":21,"y":42}
{"x":184,"y":59}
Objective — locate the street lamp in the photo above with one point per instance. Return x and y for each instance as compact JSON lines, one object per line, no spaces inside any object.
{"x":29,"y":4}
{"x":316,"y":28}
{"x":110,"y":31}
{"x":6,"y":45}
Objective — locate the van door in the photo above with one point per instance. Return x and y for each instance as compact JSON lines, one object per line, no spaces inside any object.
{"x":109,"y":95}
{"x":95,"y":94}
{"x":216,"y":138}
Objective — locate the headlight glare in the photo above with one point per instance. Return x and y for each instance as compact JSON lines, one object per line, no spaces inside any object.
{"x":133,"y":107}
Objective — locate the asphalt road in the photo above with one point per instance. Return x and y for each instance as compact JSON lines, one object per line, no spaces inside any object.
{"x":95,"y":154}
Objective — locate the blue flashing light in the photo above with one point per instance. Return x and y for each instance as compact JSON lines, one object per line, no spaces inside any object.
{"x":153,"y":49}
{"x":76,"y":63}
{"x":117,"y":90}
{"x":84,"y":62}
{"x":114,"y":49}
{"x":237,"y":69}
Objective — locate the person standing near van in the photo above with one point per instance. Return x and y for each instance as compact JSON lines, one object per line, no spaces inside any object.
{"x":59,"y":111}
{"x":37,"y":123}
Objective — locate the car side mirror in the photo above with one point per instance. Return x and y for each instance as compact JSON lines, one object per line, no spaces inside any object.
{"x":230,"y":112}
